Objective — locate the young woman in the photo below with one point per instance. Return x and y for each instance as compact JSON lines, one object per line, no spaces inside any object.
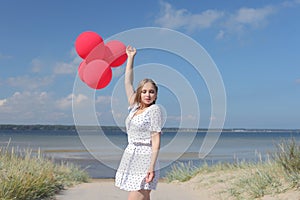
{"x":138,"y":172}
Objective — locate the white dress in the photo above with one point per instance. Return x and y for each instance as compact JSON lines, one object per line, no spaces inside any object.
{"x":136,"y":159}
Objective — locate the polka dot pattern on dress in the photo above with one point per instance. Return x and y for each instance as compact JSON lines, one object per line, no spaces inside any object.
{"x":136,"y":159}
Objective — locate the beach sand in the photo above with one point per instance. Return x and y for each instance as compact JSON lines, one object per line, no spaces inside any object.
{"x":105,"y":189}
{"x":207,"y":187}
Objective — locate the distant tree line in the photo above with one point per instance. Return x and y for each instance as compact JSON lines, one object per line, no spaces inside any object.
{"x":116,"y":128}
{"x":53,"y":127}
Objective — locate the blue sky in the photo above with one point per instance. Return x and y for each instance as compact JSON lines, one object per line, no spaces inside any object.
{"x":254,"y":44}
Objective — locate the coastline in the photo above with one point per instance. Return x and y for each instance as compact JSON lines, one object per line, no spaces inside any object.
{"x":100,"y":159}
{"x":58,"y":127}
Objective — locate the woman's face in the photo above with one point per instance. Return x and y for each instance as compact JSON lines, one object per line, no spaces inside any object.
{"x":148,"y":94}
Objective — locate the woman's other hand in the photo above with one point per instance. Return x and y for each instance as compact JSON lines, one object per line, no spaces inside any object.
{"x":150,"y":176}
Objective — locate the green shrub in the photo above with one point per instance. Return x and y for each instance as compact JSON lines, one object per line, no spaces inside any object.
{"x":273,"y":177}
{"x":181,"y":172}
{"x":288,"y":157}
{"x":27,"y":177}
{"x":257,"y":182}
{"x":250,"y":180}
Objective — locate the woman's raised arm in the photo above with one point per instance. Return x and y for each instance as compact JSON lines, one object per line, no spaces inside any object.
{"x":131,"y":52}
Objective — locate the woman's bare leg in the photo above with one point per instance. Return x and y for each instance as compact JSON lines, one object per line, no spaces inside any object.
{"x":146,"y":194}
{"x":139,"y":195}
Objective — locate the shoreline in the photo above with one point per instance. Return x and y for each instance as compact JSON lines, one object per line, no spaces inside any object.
{"x":69,"y":149}
{"x":58,"y":127}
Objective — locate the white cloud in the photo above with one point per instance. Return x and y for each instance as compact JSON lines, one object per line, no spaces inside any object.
{"x":79,"y":98}
{"x":2,"y":102}
{"x":27,"y":107}
{"x":253,"y":16}
{"x":67,"y":68}
{"x":38,"y":81}
{"x":236,"y":22}
{"x":66,"y":102}
{"x":24,"y":99}
{"x":249,"y":17}
{"x":104,"y":99}
{"x":32,"y":107}
{"x":171,"y":18}
{"x":64,"y":68}
{"x":38,"y":107}
{"x":29,"y":82}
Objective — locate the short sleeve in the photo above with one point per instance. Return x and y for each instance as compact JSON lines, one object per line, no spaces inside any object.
{"x":155,"y":119}
{"x":133,"y":107}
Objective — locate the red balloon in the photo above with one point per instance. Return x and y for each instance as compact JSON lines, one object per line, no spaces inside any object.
{"x":115,"y":53}
{"x":96,"y":53}
{"x":81,"y":69}
{"x":97,"y":74}
{"x":86,"y":42}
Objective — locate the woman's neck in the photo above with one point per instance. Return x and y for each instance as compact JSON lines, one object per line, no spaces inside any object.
{"x":143,"y":106}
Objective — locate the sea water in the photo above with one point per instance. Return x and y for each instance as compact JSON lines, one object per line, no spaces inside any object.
{"x":99,"y":154}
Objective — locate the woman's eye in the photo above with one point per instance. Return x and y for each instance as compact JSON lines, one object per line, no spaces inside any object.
{"x":150,"y":91}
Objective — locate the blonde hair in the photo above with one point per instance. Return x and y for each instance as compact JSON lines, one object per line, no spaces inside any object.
{"x":137,"y":98}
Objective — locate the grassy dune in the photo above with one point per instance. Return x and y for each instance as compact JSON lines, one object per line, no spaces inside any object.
{"x":26,"y":176}
{"x":272,"y":179}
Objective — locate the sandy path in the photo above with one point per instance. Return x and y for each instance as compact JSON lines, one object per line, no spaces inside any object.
{"x":105,"y":189}
{"x":206,"y":187}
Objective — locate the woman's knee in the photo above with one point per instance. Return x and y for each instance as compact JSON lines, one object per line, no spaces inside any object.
{"x":145,"y":191}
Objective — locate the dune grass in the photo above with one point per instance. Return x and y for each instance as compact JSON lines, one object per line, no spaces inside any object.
{"x":25,"y":176}
{"x":246,"y":180}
